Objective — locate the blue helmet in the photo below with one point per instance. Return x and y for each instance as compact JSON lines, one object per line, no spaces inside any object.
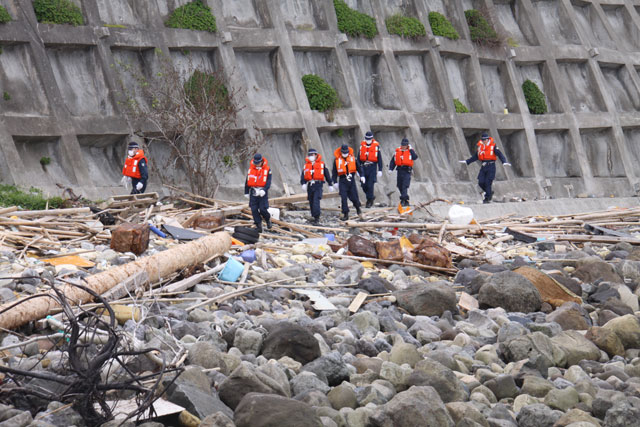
{"x":312,"y":151}
{"x":404,"y":141}
{"x":368,"y":135}
{"x":344,"y":148}
{"x":484,"y":135}
{"x":257,"y":158}
{"x":133,"y":145}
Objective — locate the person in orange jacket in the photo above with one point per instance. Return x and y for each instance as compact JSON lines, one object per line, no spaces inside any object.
{"x":135,"y":169}
{"x":256,"y":188}
{"x":345,"y":168}
{"x":487,"y":153}
{"x":370,"y":158}
{"x":314,"y":175}
{"x":403,"y":161}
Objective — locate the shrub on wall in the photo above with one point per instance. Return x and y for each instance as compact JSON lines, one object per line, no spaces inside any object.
{"x":321,"y":95}
{"x":4,"y":15}
{"x":534,"y":97}
{"x":440,"y":26}
{"x":58,"y":12}
{"x":481,"y":31}
{"x":460,"y":107}
{"x":354,"y":23}
{"x":405,"y":26}
{"x":193,"y":16}
{"x":202,"y":87}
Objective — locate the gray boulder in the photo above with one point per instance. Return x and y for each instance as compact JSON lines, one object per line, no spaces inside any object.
{"x":245,"y":379}
{"x":511,"y":291}
{"x":416,"y":407}
{"x":193,"y":391}
{"x":266,"y":410}
{"x":537,"y":415}
{"x":330,"y":368}
{"x":428,"y":299}
{"x":428,"y":372}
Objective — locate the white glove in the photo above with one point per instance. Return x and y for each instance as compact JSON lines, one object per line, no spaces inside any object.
{"x":332,"y":188}
{"x":506,"y":164}
{"x":246,"y":196}
{"x":379,"y":174}
{"x":126,"y":182}
{"x":261,"y":193}
{"x":363,"y":179}
{"x":462,"y":161}
{"x":304,"y":187}
{"x":139,"y":186}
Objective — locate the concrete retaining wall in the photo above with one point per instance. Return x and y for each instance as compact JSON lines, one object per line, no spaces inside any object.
{"x":582,"y":54}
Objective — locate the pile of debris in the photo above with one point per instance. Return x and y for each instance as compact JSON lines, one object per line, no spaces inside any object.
{"x":395,"y":319}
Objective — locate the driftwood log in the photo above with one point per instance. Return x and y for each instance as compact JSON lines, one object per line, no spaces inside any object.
{"x":157,"y":266}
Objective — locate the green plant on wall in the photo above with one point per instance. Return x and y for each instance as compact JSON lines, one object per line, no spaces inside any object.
{"x":31,"y":200}
{"x":321,"y":95}
{"x":4,"y":15}
{"x":6,"y":96}
{"x":460,"y":107}
{"x":405,"y":26}
{"x":481,"y":31}
{"x":44,"y":161}
{"x":58,"y":12}
{"x":193,"y":16}
{"x":228,"y":161}
{"x":354,"y":23}
{"x":534,"y":97}
{"x":440,"y":26}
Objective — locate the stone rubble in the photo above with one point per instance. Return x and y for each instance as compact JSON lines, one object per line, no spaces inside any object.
{"x":411,"y":357}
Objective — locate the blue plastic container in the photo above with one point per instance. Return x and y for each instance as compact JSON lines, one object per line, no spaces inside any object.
{"x":330,"y":237}
{"x":249,"y":255}
{"x":232,"y":270}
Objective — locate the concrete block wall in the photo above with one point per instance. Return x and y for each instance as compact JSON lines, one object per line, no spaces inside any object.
{"x":585,"y":56}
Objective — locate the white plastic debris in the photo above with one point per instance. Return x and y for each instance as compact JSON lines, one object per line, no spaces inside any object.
{"x":460,"y":215}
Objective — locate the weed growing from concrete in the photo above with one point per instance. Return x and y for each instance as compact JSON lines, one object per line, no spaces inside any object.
{"x":460,"y":107}
{"x":58,"y":12}
{"x":193,"y":16}
{"x":32,"y":199}
{"x":440,"y":26}
{"x":354,"y":23}
{"x":321,"y":95}
{"x":481,"y":30}
{"x":4,"y":15}
{"x":405,"y":26}
{"x":6,"y":96}
{"x":534,"y":97}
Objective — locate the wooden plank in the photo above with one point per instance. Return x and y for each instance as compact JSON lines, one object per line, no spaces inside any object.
{"x":357,"y":302}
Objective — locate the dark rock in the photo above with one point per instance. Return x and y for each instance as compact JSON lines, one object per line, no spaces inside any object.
{"x":616,"y":254}
{"x":330,"y":368}
{"x":537,"y":415}
{"x":603,"y":293}
{"x":246,"y":379}
{"x":490,"y":268}
{"x":511,"y":291}
{"x":572,"y":284}
{"x":617,"y":306}
{"x":418,"y":406}
{"x":503,"y":386}
{"x":266,"y":410}
{"x":471,"y":279}
{"x":289,"y":339}
{"x":570,"y":316}
{"x":591,"y":269}
{"x":60,"y":414}
{"x":622,"y":414}
{"x":193,"y":391}
{"x":431,"y":373}
{"x":376,"y":285}
{"x":605,"y":315}
{"x":430,"y":299}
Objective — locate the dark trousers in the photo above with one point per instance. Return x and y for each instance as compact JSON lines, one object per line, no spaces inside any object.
{"x":134,"y":182}
{"x":259,"y":208}
{"x":348,"y":191}
{"x":403,"y":182}
{"x":314,"y":195}
{"x":370,"y":175}
{"x":485,"y":178}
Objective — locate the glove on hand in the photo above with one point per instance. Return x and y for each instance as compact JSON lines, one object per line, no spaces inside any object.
{"x":379,"y":174}
{"x":246,"y":195}
{"x":507,"y":164}
{"x":126,"y":182}
{"x":139,"y":186}
{"x":261,"y":193}
{"x":363,"y":179}
{"x":304,"y":187}
{"x":462,"y":161}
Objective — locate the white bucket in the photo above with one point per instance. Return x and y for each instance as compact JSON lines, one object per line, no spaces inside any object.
{"x":460,"y":215}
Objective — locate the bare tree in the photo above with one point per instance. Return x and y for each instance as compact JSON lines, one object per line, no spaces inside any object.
{"x":190,"y":121}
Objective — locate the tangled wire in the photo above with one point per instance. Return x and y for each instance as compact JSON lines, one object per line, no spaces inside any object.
{"x":94,"y":372}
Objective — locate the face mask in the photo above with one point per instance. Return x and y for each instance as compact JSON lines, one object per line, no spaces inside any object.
{"x":345,"y":155}
{"x":312,"y":158}
{"x":131,"y":153}
{"x":368,"y":141}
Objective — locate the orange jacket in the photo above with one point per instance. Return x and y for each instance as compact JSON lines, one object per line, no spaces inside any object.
{"x":131,"y":168}
{"x":403,"y":158}
{"x":487,"y":152}
{"x":345,"y":166}
{"x":314,"y":171}
{"x":369,"y":153}
{"x":258,"y":177}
